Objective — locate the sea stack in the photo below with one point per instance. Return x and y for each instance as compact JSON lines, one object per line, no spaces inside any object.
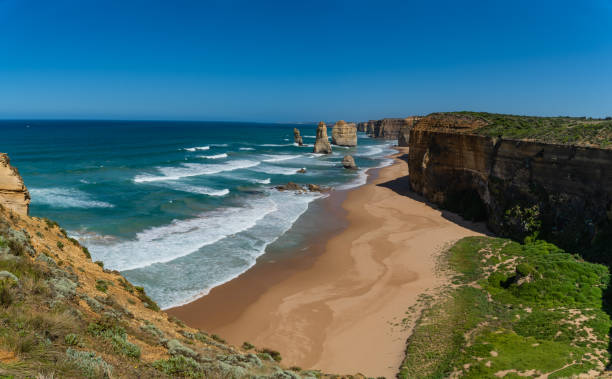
{"x":349,"y":163}
{"x":13,"y":193}
{"x":297,"y":138}
{"x":322,"y":145}
{"x":344,"y":134}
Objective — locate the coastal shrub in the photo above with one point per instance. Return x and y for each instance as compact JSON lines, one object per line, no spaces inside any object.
{"x":90,"y":364}
{"x":176,"y":348}
{"x":148,"y":302}
{"x":86,"y":252}
{"x":179,"y":366}
{"x":50,"y":224}
{"x":247,"y":345}
{"x":217,"y":338}
{"x":153,"y":330}
{"x":108,"y":329}
{"x":71,"y":339}
{"x":102,"y":285}
{"x":60,"y":245}
{"x":99,"y":263}
{"x":272,"y":353}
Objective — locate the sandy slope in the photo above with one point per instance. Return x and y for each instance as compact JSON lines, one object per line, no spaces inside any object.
{"x":341,"y":312}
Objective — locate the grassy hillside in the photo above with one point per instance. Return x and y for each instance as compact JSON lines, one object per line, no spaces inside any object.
{"x":62,"y":315}
{"x":564,"y":130}
{"x":513,"y":310}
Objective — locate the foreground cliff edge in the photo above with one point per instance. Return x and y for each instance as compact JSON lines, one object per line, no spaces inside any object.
{"x":62,"y":315}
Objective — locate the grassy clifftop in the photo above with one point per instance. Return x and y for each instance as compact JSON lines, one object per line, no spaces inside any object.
{"x":62,"y":315}
{"x":563,"y":130}
{"x":513,"y":310}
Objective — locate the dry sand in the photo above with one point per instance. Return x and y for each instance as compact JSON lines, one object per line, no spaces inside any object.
{"x":340,"y":310}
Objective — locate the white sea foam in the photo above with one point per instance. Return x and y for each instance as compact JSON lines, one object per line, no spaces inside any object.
{"x":277,"y":145}
{"x":198,"y":189}
{"x":279,"y":158}
{"x":262,"y":181}
{"x":194,"y":169}
{"x":216,"y":156}
{"x":66,"y":198}
{"x":197,"y":148}
{"x":275,"y":170}
{"x":180,"y":237}
{"x":218,"y":144}
{"x":247,"y":148}
{"x":370,"y":150}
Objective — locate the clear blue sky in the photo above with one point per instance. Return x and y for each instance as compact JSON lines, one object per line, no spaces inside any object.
{"x":303,"y":60}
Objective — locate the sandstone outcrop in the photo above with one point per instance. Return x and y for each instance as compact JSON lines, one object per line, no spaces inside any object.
{"x":564,"y":192}
{"x":297,"y":138}
{"x":349,"y":162}
{"x":13,"y":193}
{"x":291,"y":186}
{"x":403,"y":136}
{"x":322,"y":145}
{"x":344,"y":134}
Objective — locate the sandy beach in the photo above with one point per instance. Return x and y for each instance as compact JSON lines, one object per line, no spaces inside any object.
{"x":338,"y":307}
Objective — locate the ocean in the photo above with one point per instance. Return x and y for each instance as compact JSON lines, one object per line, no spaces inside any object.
{"x":177,"y":207}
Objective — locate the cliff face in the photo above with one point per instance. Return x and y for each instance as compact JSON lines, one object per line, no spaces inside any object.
{"x":344,"y":134}
{"x":403,"y":136}
{"x":13,"y":193}
{"x":520,"y":187}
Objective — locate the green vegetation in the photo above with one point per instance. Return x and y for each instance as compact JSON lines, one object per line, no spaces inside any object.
{"x":247,"y":346}
{"x":513,"y":309}
{"x":564,"y":130}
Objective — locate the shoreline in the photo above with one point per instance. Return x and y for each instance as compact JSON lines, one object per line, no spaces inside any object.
{"x":338,"y":306}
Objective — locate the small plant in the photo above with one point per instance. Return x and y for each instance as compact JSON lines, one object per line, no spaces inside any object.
{"x":102,"y":285}
{"x":217,"y":338}
{"x":60,"y":245}
{"x":149,"y":303}
{"x":273,"y":353}
{"x":71,"y":339}
{"x":179,"y":366}
{"x":247,"y":345}
{"x":88,"y":362}
{"x":99,"y":263}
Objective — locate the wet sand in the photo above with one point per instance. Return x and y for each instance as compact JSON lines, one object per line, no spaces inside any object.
{"x":338,"y":306}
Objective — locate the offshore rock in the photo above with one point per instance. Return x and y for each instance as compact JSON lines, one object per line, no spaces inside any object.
{"x":13,"y":193}
{"x":344,"y":134}
{"x":349,"y":163}
{"x":297,"y":138}
{"x":322,"y":145}
{"x":291,"y":186}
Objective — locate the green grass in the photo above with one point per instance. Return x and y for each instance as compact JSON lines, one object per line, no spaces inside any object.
{"x":512,"y":307}
{"x":564,"y":130}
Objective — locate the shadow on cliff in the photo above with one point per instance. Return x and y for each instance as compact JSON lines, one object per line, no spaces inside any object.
{"x":401,"y":186}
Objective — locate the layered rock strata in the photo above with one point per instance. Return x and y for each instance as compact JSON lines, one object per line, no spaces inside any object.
{"x":297,"y":138}
{"x":344,"y":134}
{"x":13,"y":193}
{"x":562,"y":192}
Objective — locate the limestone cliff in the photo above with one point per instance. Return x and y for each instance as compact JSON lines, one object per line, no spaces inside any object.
{"x":344,"y":134}
{"x":322,"y":145}
{"x":403,"y":137}
{"x":520,"y":187}
{"x":13,"y":193}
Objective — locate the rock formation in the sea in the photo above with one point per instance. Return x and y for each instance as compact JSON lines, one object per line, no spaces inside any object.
{"x":301,"y":171}
{"x":403,"y":136}
{"x":349,"y":162}
{"x":297,"y":138}
{"x":13,"y":193}
{"x":322,"y":145}
{"x":291,"y":186}
{"x":344,"y":134}
{"x":521,"y":187}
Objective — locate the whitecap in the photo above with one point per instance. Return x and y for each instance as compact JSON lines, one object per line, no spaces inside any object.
{"x":198,"y":189}
{"x":66,"y":198}
{"x":246,"y":148}
{"x":197,"y":148}
{"x":216,"y":156}
{"x":279,"y":158}
{"x":262,"y":181}
{"x":194,"y":169}
{"x":180,"y":237}
{"x":275,"y":170}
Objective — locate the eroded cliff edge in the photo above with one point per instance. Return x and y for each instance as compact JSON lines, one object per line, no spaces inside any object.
{"x":13,"y":193}
{"x":560,"y":190}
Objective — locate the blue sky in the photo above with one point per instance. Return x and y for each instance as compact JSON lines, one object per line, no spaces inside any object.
{"x":303,"y":60}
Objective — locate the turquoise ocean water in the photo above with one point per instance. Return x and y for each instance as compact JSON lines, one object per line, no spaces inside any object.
{"x":177,"y":207}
